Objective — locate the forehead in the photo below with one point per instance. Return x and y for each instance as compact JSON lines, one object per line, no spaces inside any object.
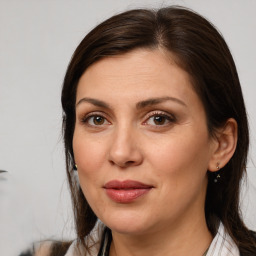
{"x":138,"y":70}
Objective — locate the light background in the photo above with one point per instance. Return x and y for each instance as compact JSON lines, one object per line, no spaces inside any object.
{"x":37,"y":39}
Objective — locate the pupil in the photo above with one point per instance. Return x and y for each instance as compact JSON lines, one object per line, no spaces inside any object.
{"x":98,"y":120}
{"x":159,"y":120}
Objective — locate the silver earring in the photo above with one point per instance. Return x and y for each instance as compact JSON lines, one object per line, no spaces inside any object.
{"x":75,"y":167}
{"x":217,"y":178}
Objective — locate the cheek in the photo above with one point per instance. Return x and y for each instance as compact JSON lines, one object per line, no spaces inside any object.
{"x":89,"y":156}
{"x":180,"y":165}
{"x":180,"y":156}
{"x":89,"y":153}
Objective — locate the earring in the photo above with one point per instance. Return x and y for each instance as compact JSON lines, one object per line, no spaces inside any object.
{"x":217,"y":178}
{"x":75,"y":167}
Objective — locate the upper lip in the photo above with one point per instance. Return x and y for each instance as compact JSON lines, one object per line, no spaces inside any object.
{"x":126,"y":184}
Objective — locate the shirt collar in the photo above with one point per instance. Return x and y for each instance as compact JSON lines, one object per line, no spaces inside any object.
{"x":222,"y":244}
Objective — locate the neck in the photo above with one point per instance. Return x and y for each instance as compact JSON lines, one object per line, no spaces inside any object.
{"x":178,"y":240}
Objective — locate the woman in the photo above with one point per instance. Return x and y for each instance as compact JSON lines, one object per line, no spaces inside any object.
{"x":156,"y":138}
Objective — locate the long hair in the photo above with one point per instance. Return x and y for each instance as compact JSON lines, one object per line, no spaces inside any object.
{"x":200,"y":50}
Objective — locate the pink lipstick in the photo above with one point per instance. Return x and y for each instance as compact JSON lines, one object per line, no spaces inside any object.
{"x":126,"y":191}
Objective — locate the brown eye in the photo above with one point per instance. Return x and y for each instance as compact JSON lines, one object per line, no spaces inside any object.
{"x":159,"y":120}
{"x":96,"y":120}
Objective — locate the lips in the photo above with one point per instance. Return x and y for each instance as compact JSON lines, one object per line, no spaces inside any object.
{"x":126,"y":191}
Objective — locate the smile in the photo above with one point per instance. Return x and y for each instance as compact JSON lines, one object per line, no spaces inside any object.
{"x":126,"y":191}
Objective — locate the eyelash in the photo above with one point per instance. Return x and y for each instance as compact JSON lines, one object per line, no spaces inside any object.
{"x":92,"y":115}
{"x":167,"y":118}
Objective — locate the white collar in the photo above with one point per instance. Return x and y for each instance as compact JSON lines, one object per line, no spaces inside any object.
{"x":222,"y":244}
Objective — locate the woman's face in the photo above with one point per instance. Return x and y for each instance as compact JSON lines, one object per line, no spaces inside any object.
{"x":141,"y":143}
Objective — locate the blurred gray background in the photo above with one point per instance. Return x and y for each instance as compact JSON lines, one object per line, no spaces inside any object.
{"x":37,"y":39}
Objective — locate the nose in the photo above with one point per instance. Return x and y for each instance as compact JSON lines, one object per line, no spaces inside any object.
{"x":125,"y":150}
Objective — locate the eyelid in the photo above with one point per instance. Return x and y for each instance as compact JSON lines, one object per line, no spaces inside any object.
{"x":165,"y":114}
{"x":170,"y":117}
{"x":85,"y":117}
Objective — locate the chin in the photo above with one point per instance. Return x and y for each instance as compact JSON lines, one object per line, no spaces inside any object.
{"x":128,"y":229}
{"x":126,"y":223}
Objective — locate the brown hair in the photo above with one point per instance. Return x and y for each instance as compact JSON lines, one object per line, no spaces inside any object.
{"x":201,"y":51}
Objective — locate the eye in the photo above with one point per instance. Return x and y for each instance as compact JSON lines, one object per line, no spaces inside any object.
{"x":95,"y":120}
{"x":159,"y":119}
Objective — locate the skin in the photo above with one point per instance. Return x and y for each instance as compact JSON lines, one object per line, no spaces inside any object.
{"x":117,"y":137}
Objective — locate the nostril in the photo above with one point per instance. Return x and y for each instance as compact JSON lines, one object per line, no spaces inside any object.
{"x":122,"y":164}
{"x":129,"y":163}
{"x":112,"y":162}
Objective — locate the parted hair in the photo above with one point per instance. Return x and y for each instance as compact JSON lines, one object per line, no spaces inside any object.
{"x":198,"y":48}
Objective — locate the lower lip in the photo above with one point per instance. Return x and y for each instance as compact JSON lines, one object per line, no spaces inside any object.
{"x":126,"y":195}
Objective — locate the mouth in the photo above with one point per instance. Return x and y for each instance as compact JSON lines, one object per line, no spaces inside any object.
{"x":126,"y":191}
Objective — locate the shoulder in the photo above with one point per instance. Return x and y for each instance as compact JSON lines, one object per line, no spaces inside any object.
{"x":47,"y":248}
{"x":254,"y":234}
{"x":252,"y":248}
{"x":90,"y":246}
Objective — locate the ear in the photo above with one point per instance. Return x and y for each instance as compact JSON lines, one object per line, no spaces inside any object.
{"x":224,"y":145}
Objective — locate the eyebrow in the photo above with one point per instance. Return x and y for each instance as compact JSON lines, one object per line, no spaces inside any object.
{"x":94,"y":102}
{"x":139,"y":105}
{"x":155,"y":101}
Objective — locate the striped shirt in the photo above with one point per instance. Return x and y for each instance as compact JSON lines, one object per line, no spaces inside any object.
{"x":221,"y":245}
